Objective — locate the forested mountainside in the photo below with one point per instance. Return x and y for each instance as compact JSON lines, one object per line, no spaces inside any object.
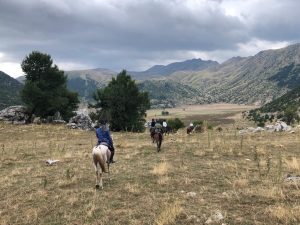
{"x":9,"y":91}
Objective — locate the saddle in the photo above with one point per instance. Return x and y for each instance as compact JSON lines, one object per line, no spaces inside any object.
{"x":104,"y":143}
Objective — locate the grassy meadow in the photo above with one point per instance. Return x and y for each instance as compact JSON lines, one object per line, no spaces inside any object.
{"x":192,"y":178}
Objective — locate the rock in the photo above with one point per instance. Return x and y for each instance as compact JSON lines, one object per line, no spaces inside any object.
{"x":59,"y":122}
{"x":194,"y":218}
{"x":37,"y":120}
{"x":270,"y":128}
{"x":72,"y":125}
{"x":81,"y":121}
{"x":280,"y":126}
{"x":14,"y":114}
{"x":191,"y":194}
{"x":215,"y":217}
{"x":50,"y":161}
{"x":258,"y":129}
{"x":57,"y":116}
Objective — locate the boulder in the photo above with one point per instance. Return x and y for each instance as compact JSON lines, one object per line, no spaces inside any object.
{"x":57,"y":116}
{"x":14,"y":114}
{"x":58,"y":122}
{"x":37,"y":120}
{"x":81,"y":121}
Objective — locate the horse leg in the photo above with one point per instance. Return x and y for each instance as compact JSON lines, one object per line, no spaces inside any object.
{"x":97,"y":179}
{"x":108,"y":171}
{"x":101,"y":183}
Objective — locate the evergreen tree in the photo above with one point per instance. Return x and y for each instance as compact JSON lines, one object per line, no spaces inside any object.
{"x":45,"y":91}
{"x":121,"y":104}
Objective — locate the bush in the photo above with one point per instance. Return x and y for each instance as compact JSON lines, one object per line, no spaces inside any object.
{"x":175,"y":124}
{"x":198,"y":122}
{"x":164,"y":113}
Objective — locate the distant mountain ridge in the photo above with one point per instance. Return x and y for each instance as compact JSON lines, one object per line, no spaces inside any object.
{"x":9,"y":91}
{"x":161,"y":70}
{"x":85,"y":82}
{"x":255,"y":79}
{"x":258,"y":79}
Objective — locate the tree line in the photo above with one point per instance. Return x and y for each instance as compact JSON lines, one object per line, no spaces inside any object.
{"x":45,"y":92}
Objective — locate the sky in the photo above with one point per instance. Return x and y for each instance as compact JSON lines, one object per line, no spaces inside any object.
{"x":137,"y":34}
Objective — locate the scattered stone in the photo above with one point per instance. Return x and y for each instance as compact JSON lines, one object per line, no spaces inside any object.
{"x":81,"y":121}
{"x":270,"y":128}
{"x":258,"y":129}
{"x":194,"y":218}
{"x":215,"y":217}
{"x":191,"y":194}
{"x":37,"y":120}
{"x":14,"y":114}
{"x":57,"y":116}
{"x":59,"y":122}
{"x":51,"y":162}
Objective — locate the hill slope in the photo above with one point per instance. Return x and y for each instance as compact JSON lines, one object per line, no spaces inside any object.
{"x":85,"y":82}
{"x":292,"y":98}
{"x":167,"y":93}
{"x":260,"y":78}
{"x":9,"y":91}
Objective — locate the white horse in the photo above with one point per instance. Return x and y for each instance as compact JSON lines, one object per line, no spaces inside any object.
{"x":101,"y":155}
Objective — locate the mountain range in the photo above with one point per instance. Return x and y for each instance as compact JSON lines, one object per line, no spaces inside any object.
{"x":258,"y":79}
{"x":9,"y":91}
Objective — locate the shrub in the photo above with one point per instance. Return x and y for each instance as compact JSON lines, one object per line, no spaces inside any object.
{"x":175,"y":124}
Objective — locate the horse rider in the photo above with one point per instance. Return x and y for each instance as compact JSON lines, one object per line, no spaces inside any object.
{"x":191,"y":125}
{"x":165,"y":126}
{"x":104,"y":137}
{"x":152,"y":128}
{"x":153,"y":123}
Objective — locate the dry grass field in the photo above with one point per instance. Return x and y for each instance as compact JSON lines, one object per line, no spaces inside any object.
{"x":215,"y":114}
{"x":192,"y":178}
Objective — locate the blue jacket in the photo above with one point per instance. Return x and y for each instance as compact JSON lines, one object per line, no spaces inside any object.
{"x":103,"y":136}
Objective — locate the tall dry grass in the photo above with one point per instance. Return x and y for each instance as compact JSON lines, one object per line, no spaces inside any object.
{"x":243,"y":177}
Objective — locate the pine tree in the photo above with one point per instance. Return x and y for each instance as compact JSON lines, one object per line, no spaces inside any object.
{"x":45,"y":91}
{"x":122,"y":104}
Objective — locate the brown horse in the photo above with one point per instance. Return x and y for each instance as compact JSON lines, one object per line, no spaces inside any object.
{"x":101,"y":154}
{"x":157,"y":138}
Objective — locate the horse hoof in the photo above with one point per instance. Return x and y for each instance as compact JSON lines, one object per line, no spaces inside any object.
{"x":97,"y":186}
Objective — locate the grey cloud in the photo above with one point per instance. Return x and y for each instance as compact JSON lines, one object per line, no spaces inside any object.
{"x":124,"y":34}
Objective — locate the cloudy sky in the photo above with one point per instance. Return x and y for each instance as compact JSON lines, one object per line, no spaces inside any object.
{"x":136,"y":34}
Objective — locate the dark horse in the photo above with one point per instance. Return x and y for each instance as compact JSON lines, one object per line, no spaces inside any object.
{"x":158,"y":137}
{"x":167,"y":130}
{"x":189,"y":130}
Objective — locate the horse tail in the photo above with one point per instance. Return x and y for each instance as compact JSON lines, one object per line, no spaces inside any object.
{"x":99,"y":160}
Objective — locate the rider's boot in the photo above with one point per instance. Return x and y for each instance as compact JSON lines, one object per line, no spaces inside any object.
{"x":111,"y":160}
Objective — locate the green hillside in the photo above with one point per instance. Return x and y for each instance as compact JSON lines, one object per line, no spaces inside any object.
{"x":167,"y":93}
{"x":292,"y":98}
{"x":257,"y":79}
{"x":9,"y":91}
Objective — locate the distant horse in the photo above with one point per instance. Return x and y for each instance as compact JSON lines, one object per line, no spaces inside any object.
{"x":189,"y":130}
{"x":157,"y":138}
{"x":167,"y":130}
{"x":101,"y":154}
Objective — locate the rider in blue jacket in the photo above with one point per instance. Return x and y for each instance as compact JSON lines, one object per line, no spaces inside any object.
{"x":103,"y":135}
